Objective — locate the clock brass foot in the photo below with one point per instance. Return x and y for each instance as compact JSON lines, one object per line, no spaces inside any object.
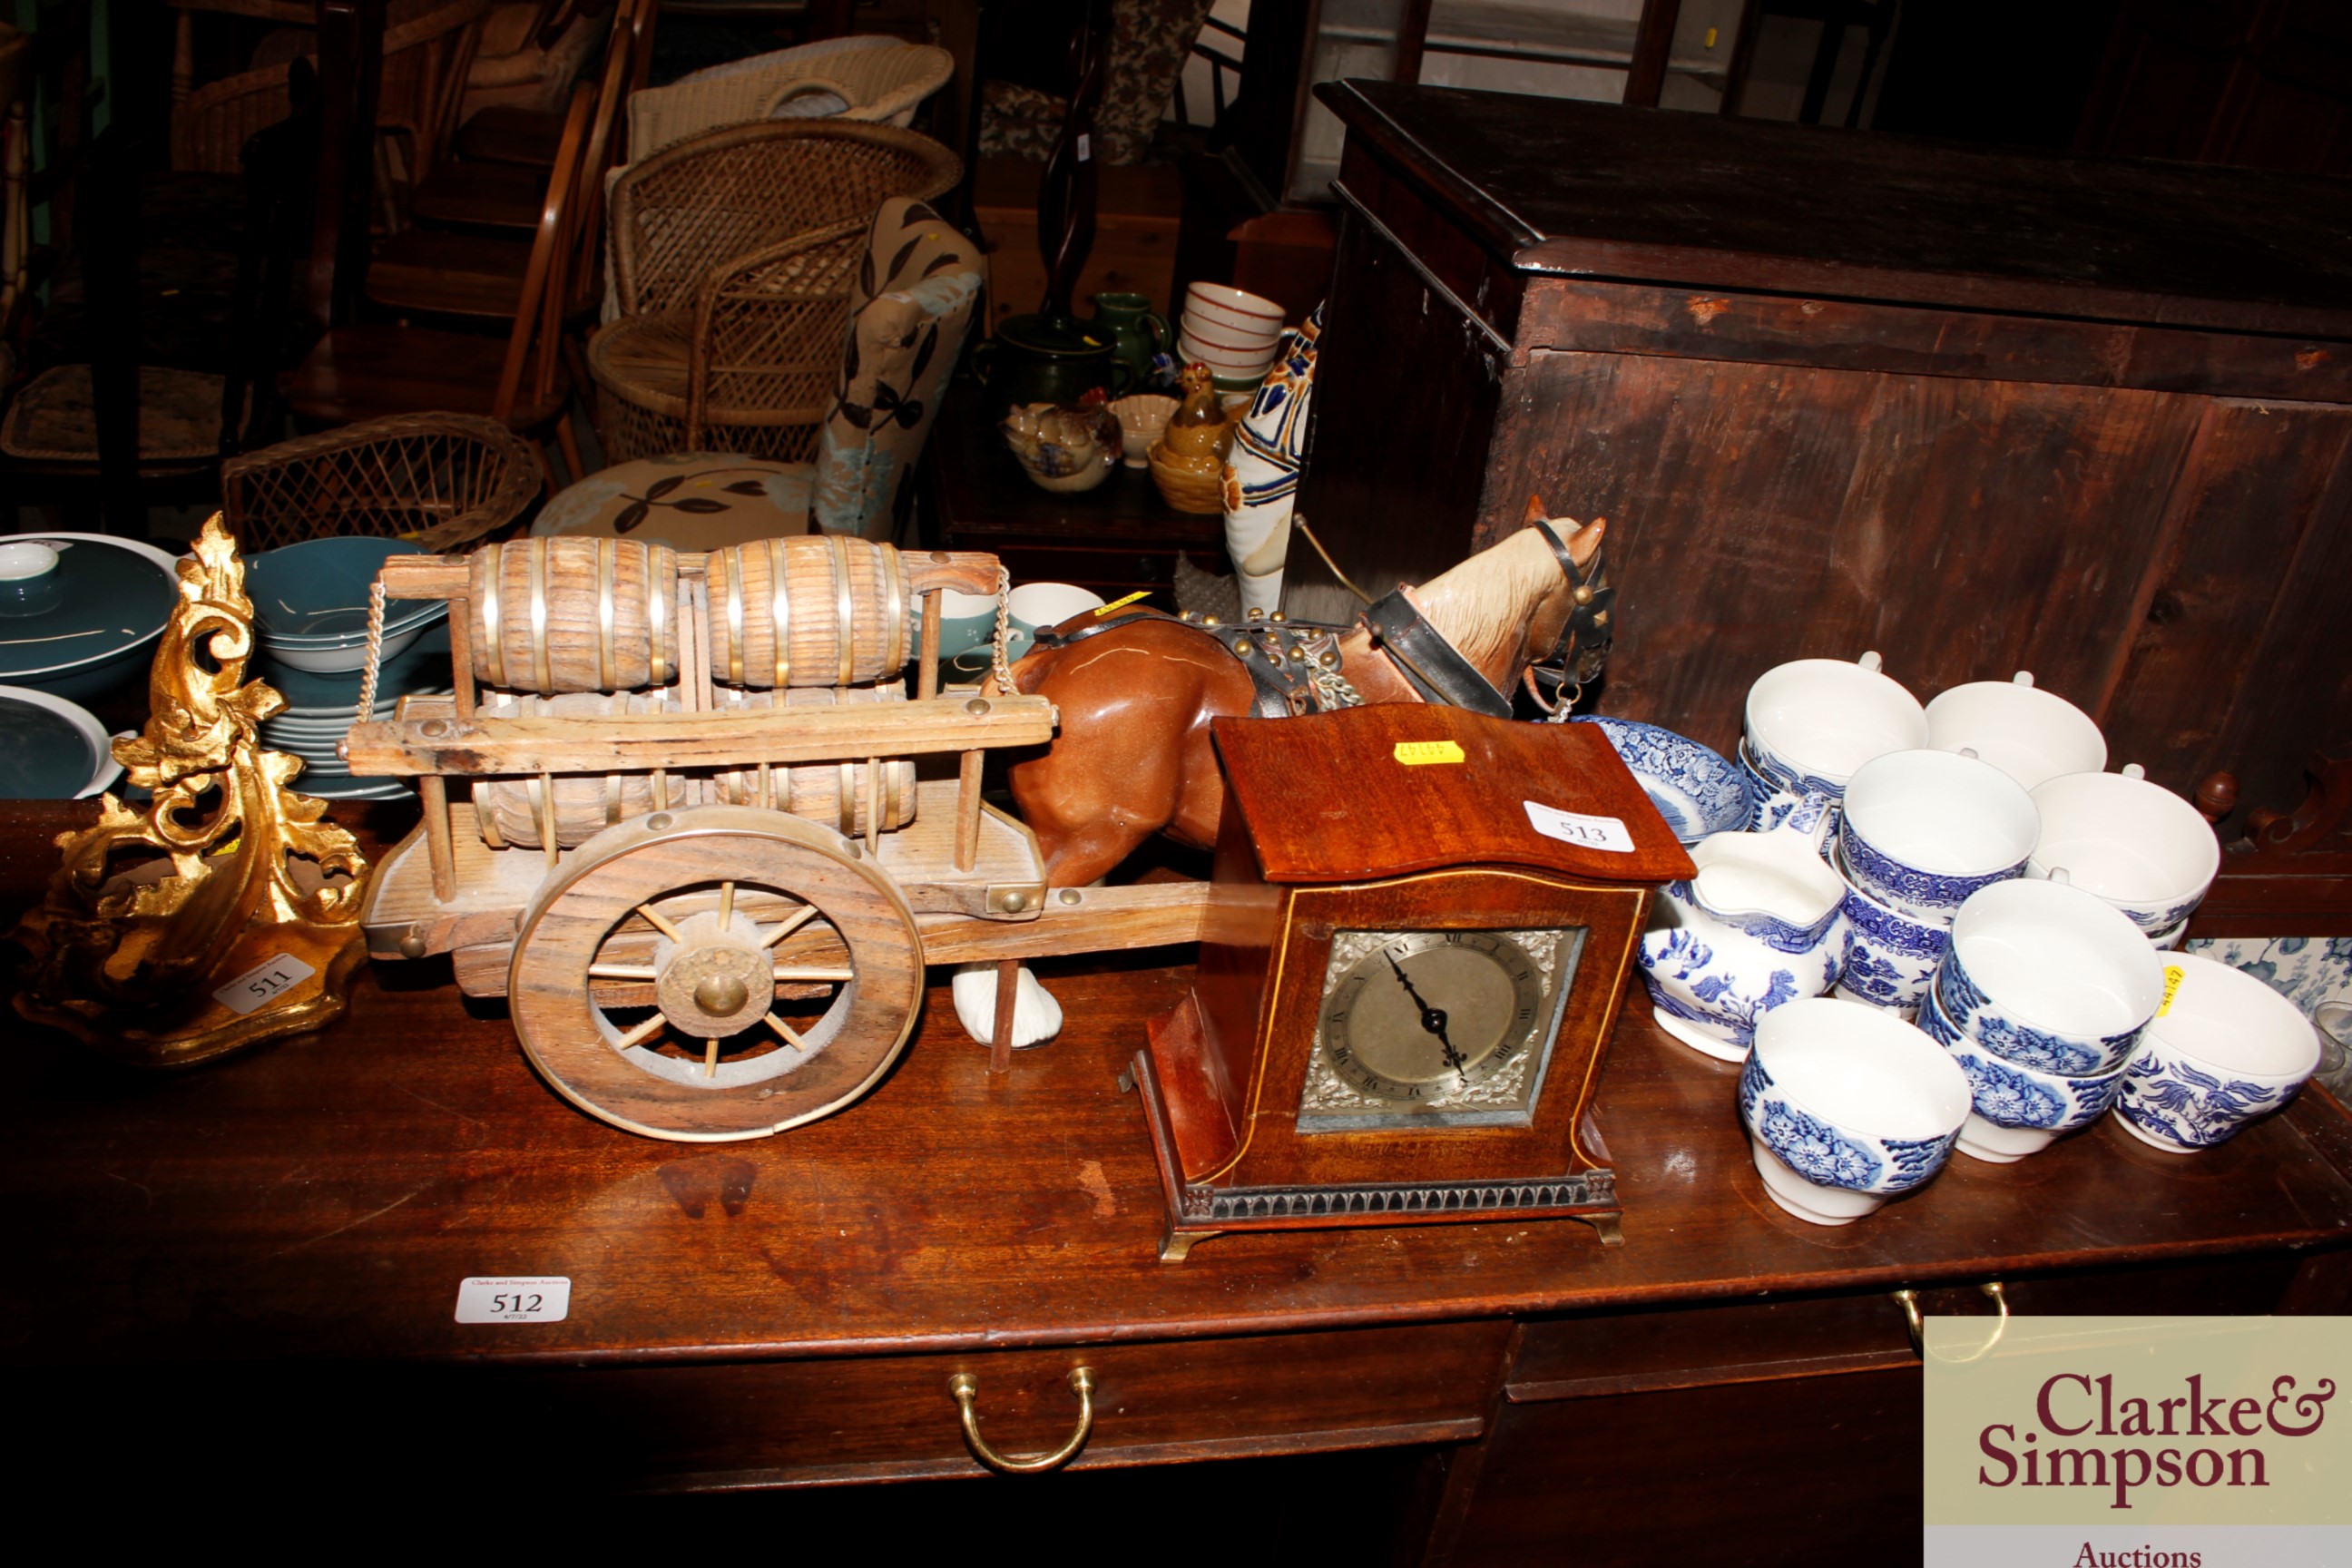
{"x":1177,"y":1245}
{"x":1606,"y":1224}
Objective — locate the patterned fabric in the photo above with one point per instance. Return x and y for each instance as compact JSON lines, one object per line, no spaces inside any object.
{"x":2307,"y":969}
{"x":1149,"y":43}
{"x":909,"y":312}
{"x":687,"y":501}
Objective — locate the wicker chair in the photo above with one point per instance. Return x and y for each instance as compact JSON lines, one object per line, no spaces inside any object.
{"x":876,"y":78}
{"x":809,"y":184}
{"x":448,"y":478}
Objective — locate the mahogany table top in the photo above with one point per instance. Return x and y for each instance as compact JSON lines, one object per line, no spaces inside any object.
{"x":324,"y":1197}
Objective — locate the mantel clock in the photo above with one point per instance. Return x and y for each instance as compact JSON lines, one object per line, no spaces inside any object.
{"x":1421,"y":926}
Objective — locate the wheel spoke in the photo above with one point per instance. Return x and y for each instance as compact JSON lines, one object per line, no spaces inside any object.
{"x":644,"y":1031}
{"x":785,"y":1030}
{"x":654,"y":918}
{"x":814,"y":976}
{"x":711,"y":1058}
{"x":808,"y":912}
{"x":725,"y":903}
{"x":622,"y":972}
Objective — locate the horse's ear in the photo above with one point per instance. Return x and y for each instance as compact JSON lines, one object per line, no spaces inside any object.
{"x":1535,"y":512}
{"x":1584,"y":544}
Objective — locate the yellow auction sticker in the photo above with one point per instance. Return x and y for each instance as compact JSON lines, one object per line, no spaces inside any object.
{"x":2173,"y":975}
{"x":1121,"y":603}
{"x":1420,"y":754}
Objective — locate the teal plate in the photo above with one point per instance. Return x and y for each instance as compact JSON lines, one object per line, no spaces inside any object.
{"x":43,"y":754}
{"x":113,"y":598}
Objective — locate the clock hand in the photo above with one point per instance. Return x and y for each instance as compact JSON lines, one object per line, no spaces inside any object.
{"x":1432,"y":1019}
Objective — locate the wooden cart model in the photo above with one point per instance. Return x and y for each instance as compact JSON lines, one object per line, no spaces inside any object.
{"x":681,"y":811}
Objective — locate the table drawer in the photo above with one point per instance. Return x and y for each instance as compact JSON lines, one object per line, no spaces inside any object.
{"x":800,"y":1422}
{"x":1604,"y":1353}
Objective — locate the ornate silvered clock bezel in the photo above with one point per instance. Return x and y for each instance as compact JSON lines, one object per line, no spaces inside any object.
{"x":1505,"y":1084}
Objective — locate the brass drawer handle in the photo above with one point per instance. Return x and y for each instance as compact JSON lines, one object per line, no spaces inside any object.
{"x":1909,"y":1301}
{"x":966,"y":1389}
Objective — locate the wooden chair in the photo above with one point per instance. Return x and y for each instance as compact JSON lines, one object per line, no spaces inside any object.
{"x":502,"y":133}
{"x":776,"y":362}
{"x":448,"y":479}
{"x":502,"y":197}
{"x":367,"y":372}
{"x":479,"y":277}
{"x":796,"y":195}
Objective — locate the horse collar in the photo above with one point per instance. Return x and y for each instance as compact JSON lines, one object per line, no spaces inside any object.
{"x":1430,"y":664}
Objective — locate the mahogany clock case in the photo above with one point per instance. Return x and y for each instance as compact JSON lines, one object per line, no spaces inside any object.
{"x":1328,"y":831}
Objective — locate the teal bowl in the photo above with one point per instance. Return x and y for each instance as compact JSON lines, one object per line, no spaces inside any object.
{"x":316,"y":592}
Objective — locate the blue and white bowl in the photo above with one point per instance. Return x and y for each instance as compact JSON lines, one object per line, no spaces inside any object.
{"x":1694,"y":788}
{"x":1922,"y":830}
{"x":2049,"y":977}
{"x":2016,"y":1110}
{"x":2225,"y":1050}
{"x":1846,"y":1107}
{"x":1890,"y":956}
{"x":2130,"y":841}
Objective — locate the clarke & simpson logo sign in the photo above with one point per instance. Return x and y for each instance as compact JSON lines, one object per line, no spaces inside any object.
{"x":2138,"y":1443}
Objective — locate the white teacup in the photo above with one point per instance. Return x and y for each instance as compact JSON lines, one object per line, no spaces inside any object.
{"x":966,"y":621}
{"x":1846,"y":1106}
{"x":1922,"y":830}
{"x":2224,"y":1049}
{"x":2028,"y":734}
{"x":2135,"y":844}
{"x":1034,"y":606}
{"x":1812,"y":722}
{"x":2048,"y":976}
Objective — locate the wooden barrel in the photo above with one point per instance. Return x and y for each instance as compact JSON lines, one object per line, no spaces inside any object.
{"x":514,"y":811}
{"x":838,"y":794}
{"x":822,"y":609}
{"x":575,"y":615}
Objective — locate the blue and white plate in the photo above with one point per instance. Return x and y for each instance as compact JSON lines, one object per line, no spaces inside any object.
{"x":1695,"y":789}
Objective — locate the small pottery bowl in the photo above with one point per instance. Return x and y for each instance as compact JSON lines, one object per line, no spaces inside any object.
{"x":2049,"y":977}
{"x":1233,"y":341}
{"x":1922,"y":830}
{"x":1142,"y":417}
{"x":1811,"y":722}
{"x":2017,"y":1109}
{"x":1754,"y":930}
{"x":2132,"y":843}
{"x":1890,"y":955}
{"x":1845,"y":1107}
{"x":2225,"y":1050}
{"x":29,"y":584}
{"x":1813,"y":811}
{"x":2027,"y":733}
{"x":2169,"y":939}
{"x":315,"y":594}
{"x":1694,"y":789}
{"x":1238,"y":307}
{"x":1226,"y":364}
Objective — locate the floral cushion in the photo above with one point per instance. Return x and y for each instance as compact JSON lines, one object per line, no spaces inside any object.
{"x":909,"y":310}
{"x":688,"y":500}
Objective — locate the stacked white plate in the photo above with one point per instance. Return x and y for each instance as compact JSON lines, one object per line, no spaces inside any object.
{"x":322,"y":708}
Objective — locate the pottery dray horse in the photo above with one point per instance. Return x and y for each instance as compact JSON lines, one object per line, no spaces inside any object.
{"x":1133,"y":756}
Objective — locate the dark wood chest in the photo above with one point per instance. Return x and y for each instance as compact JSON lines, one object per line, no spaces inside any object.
{"x":1981,"y":411}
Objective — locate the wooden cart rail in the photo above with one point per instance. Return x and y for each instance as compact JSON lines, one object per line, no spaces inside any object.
{"x":928,"y":571}
{"x":449,"y":744}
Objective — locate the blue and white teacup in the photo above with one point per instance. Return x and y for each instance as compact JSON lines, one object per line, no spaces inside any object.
{"x":1810,"y":723}
{"x":1922,"y":830}
{"x":2130,"y":841}
{"x":2017,"y":1109}
{"x":1809,"y":805}
{"x":1890,"y":956}
{"x":1692,"y":787}
{"x":2225,"y":1050}
{"x":1846,"y":1107}
{"x":2049,"y":977}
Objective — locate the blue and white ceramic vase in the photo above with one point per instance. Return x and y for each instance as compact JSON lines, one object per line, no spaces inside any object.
{"x":1757,"y":928}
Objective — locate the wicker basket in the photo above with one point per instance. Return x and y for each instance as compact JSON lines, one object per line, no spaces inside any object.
{"x":448,"y":478}
{"x":860,"y":78}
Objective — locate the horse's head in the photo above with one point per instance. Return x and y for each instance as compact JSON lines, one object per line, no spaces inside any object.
{"x":1568,"y":635}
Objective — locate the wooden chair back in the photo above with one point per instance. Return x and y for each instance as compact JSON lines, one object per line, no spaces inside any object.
{"x":535,"y":342}
{"x":630,"y":40}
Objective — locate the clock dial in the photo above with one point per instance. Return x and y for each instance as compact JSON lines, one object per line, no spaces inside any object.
{"x":1424,"y":1014}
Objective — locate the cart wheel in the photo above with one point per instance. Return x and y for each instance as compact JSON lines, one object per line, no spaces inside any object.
{"x":716,"y":973}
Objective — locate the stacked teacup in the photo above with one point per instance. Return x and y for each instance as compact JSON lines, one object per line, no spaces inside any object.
{"x":2042,"y":999}
{"x":1809,"y":725}
{"x":1920,"y":833}
{"x":1231,"y":330}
